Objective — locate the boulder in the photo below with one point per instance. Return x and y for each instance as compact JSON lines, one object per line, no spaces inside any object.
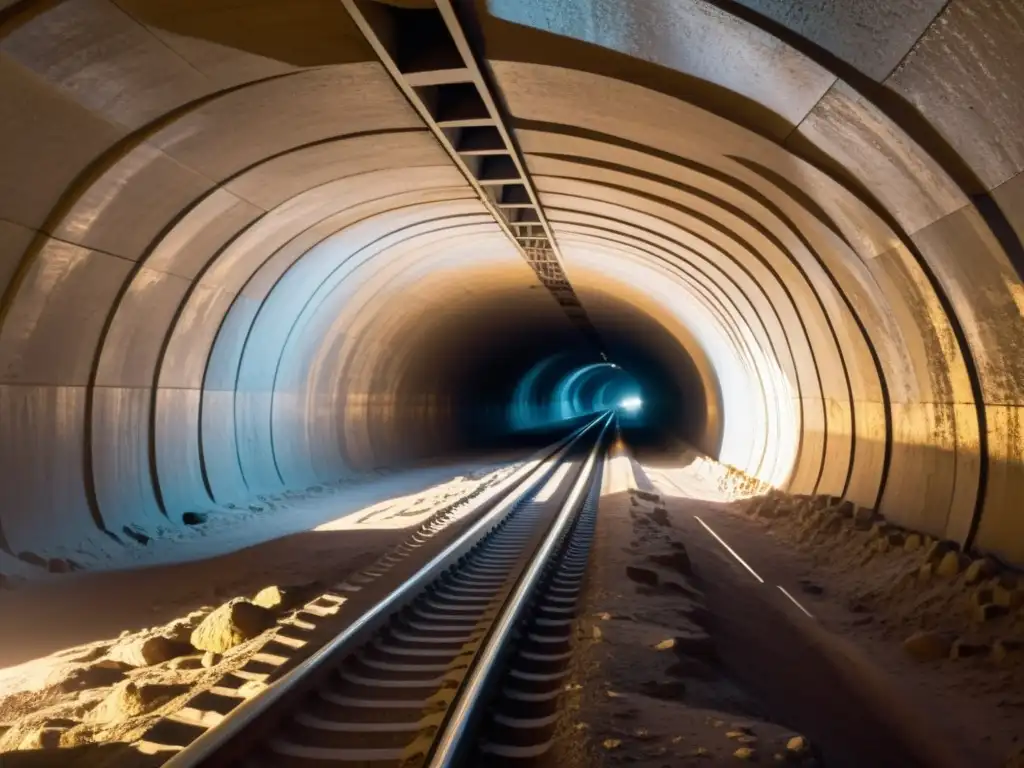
{"x":233,"y":623}
{"x":979,"y":570}
{"x":948,"y":565}
{"x":928,"y":646}
{"x":912,"y":543}
{"x":129,"y":700}
{"x":147,"y":651}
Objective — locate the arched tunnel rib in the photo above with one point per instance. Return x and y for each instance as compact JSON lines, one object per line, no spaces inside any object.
{"x":236,"y":260}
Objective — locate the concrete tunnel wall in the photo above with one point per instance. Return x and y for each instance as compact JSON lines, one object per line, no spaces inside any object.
{"x":225,"y":238}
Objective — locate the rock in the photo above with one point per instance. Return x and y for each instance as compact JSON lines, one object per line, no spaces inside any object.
{"x":233,"y":623}
{"x":211,"y":659}
{"x":965,"y":649}
{"x":277,"y":598}
{"x":979,"y":570}
{"x":41,"y":738}
{"x":846,"y":508}
{"x":927,"y":646}
{"x":643,"y":576}
{"x":912,"y":543}
{"x":98,"y":675}
{"x":611,"y":743}
{"x":193,"y":518}
{"x":949,"y":565}
{"x":251,"y":688}
{"x":129,"y":700}
{"x":745,"y":753}
{"x":990,"y":611}
{"x":937,"y":550}
{"x":797,"y":746}
{"x":666,"y":645}
{"x":145,"y":652}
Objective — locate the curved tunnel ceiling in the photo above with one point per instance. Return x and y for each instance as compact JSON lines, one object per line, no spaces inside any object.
{"x":236,"y":260}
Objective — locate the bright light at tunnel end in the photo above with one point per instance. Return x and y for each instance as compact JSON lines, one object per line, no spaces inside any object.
{"x":631,"y":404}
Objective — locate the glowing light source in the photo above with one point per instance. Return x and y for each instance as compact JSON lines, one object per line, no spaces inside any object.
{"x":631,"y":404}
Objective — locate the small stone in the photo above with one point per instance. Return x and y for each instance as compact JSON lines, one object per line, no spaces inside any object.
{"x":276,"y":598}
{"x":611,"y":743}
{"x":234,"y":622}
{"x":642,"y":733}
{"x":912,"y":543}
{"x":927,"y":646}
{"x":949,"y":565}
{"x":604,"y":616}
{"x":744,"y":753}
{"x":251,"y":688}
{"x":613,"y":694}
{"x":595,"y":632}
{"x":797,"y":745}
{"x":666,"y":645}
{"x":979,"y":570}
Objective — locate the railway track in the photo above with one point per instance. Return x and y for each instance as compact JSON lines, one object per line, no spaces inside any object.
{"x":462,"y":665}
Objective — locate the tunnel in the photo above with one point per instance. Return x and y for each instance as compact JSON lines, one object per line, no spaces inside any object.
{"x":249,"y":248}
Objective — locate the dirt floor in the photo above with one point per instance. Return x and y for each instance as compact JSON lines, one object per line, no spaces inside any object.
{"x":98,"y":662}
{"x":714,"y":636}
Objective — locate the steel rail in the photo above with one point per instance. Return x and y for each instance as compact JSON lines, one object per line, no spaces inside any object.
{"x":458,"y":729}
{"x":504,"y":498}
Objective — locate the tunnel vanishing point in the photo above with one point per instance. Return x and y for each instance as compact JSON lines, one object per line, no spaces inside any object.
{"x":252,"y":246}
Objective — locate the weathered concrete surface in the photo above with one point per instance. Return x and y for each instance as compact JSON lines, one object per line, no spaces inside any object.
{"x":234,"y":260}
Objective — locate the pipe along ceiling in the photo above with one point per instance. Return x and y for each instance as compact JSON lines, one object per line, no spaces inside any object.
{"x":236,"y":259}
